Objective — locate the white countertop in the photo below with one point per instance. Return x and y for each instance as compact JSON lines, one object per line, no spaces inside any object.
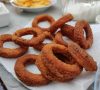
{"x":19,"y":20}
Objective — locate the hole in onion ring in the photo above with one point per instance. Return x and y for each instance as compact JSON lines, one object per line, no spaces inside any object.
{"x":47,"y":41}
{"x":33,"y":51}
{"x":33,"y":69}
{"x":57,"y":30}
{"x":28,"y":37}
{"x":66,"y":39}
{"x":44,"y":23}
{"x":64,"y":58}
{"x":84,"y":33}
{"x":10,"y":45}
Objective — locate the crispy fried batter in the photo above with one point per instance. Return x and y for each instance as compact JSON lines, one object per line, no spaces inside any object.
{"x":77,"y":33}
{"x":60,"y":22}
{"x":25,"y":76}
{"x":41,"y":18}
{"x":62,"y":70}
{"x":8,"y":52}
{"x":36,"y":39}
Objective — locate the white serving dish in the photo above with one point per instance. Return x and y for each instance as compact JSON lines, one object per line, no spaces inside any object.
{"x":82,"y":82}
{"x":98,"y":19}
{"x":29,"y":9}
{"x":4,"y":15}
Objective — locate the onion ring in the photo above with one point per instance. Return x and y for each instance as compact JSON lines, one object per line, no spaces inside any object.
{"x":84,"y":59}
{"x":77,"y":33}
{"x":46,"y":72}
{"x":68,"y":30}
{"x":26,"y":77}
{"x":59,"y":39}
{"x":37,"y":38}
{"x":60,"y":22}
{"x":57,"y":67}
{"x":41,"y":18}
{"x":10,"y":53}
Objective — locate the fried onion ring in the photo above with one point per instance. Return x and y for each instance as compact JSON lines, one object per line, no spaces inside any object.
{"x":41,"y":18}
{"x":36,"y":39}
{"x":59,"y":39}
{"x":68,"y":30}
{"x":10,"y":53}
{"x":60,"y":22}
{"x":83,"y":58}
{"x":25,"y":76}
{"x":46,"y":72}
{"x":62,"y":70}
{"x":77,"y":33}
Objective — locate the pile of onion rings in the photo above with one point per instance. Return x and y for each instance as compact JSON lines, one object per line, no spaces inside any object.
{"x":59,"y":60}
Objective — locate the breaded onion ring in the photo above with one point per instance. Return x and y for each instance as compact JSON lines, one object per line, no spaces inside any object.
{"x":82,"y":57}
{"x":8,"y":52}
{"x":77,"y":33}
{"x":42,"y":44}
{"x":36,"y":39}
{"x":60,"y":69}
{"x":25,"y":76}
{"x":59,"y":39}
{"x":68,"y":30}
{"x":46,"y":72}
{"x":60,"y":22}
{"x":41,"y":18}
{"x":80,"y":27}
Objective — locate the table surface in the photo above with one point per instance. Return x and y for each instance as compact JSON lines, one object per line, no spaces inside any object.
{"x":19,"y":20}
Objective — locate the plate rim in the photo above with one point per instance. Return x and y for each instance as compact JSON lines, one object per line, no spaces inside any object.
{"x":31,"y":8}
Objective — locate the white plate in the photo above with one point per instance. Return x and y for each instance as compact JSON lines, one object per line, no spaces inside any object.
{"x":30,"y":9}
{"x":82,"y":82}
